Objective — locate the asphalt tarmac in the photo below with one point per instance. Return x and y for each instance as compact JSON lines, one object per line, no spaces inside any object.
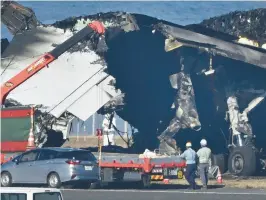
{"x":213,"y":194}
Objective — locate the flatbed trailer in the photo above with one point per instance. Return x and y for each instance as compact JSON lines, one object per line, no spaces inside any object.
{"x":134,"y":168}
{"x":137,"y":168}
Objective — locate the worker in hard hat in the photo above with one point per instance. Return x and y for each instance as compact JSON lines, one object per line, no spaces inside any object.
{"x":204,"y":156}
{"x":190,"y":156}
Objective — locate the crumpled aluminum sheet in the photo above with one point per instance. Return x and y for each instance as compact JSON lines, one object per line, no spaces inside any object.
{"x":186,"y":112}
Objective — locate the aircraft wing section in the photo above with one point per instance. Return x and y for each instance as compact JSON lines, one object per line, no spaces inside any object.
{"x":94,"y":99}
{"x":58,"y":87}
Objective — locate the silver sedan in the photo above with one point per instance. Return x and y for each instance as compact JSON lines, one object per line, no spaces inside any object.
{"x":52,"y":166}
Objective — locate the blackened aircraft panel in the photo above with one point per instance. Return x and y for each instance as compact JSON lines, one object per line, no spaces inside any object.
{"x":223,"y":48}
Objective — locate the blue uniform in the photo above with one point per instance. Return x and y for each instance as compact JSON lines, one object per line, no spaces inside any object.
{"x":190,"y":156}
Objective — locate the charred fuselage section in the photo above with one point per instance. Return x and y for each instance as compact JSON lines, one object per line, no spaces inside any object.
{"x":17,"y":18}
{"x":177,"y":79}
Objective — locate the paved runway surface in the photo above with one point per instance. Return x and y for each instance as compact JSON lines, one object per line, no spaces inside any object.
{"x":213,"y":194}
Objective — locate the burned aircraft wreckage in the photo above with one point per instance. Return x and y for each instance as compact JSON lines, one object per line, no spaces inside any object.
{"x":173,"y":83}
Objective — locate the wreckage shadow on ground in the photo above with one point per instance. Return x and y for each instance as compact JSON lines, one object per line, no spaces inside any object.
{"x":129,"y":186}
{"x":132,"y":185}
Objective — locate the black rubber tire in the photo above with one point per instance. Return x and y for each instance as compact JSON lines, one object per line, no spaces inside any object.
{"x":95,"y":185}
{"x":220,"y":161}
{"x":54,"y":175}
{"x":10,"y":179}
{"x":248,"y":156}
{"x":146,"y":181}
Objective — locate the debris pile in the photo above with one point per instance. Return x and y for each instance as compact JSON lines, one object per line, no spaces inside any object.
{"x":135,"y":56}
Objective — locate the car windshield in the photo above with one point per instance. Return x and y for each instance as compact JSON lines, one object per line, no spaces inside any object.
{"x":47,"y":196}
{"x":77,"y":155}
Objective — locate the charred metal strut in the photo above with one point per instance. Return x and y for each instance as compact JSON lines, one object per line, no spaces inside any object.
{"x":186,"y":112}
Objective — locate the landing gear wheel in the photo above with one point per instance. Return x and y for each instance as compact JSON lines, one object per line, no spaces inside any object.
{"x":6,"y":179}
{"x":53,"y":180}
{"x":242,"y":161}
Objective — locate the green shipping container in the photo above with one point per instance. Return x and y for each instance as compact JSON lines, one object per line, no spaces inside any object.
{"x":15,"y":128}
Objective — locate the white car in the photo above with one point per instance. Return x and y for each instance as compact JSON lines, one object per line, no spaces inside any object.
{"x":20,"y":193}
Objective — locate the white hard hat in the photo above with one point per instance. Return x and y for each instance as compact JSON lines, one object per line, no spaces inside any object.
{"x":203,"y":142}
{"x":188,"y":144}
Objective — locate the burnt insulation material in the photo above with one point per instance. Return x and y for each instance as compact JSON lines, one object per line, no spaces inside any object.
{"x":113,"y":18}
{"x":250,"y":24}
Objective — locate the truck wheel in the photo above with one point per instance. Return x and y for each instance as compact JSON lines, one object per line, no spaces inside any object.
{"x":146,"y":181}
{"x":6,"y":179}
{"x":53,"y":180}
{"x":242,"y":161}
{"x":95,"y":185}
{"x":220,"y":161}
